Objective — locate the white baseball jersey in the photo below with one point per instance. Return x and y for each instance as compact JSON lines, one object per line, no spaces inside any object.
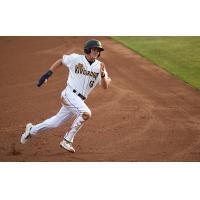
{"x":83,"y":77}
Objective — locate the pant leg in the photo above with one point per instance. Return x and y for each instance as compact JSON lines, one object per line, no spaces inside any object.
{"x":63,"y":115}
{"x":77,"y":124}
{"x":79,"y":107}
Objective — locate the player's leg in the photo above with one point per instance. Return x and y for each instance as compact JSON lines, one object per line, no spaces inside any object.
{"x":83,"y":113}
{"x":63,"y":115}
{"x":77,"y":124}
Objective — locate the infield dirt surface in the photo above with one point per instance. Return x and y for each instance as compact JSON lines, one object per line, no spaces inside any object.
{"x":145,"y":115}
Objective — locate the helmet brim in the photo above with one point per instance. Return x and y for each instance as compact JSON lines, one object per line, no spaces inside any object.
{"x":100,"y":48}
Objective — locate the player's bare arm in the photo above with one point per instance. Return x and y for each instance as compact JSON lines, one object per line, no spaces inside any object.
{"x":105,"y":80}
{"x":54,"y":67}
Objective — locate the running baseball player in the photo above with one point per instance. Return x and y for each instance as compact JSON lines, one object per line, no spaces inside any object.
{"x":85,"y":72}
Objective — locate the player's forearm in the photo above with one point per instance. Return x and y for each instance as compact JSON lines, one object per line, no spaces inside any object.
{"x":56,"y":65}
{"x":105,"y":82}
{"x":44,"y":77}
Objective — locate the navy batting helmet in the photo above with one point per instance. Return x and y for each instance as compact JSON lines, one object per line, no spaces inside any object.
{"x":91,"y":44}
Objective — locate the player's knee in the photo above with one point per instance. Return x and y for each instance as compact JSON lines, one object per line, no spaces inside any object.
{"x":86,"y":115}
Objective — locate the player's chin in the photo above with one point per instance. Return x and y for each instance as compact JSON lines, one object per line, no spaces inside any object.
{"x":94,"y":57}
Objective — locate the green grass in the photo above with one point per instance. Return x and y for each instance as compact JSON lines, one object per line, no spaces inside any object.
{"x":179,"y":55}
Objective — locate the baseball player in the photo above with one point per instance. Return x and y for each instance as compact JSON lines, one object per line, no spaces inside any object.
{"x":85,"y":72}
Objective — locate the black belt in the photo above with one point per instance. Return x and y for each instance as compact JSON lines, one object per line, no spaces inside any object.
{"x":80,"y":95}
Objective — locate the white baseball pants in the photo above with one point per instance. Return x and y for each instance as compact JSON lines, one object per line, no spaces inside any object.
{"x":74,"y":106}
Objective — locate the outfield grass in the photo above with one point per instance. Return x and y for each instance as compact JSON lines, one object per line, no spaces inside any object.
{"x":179,"y":55}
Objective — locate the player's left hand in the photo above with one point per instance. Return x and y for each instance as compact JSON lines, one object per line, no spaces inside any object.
{"x":44,"y":78}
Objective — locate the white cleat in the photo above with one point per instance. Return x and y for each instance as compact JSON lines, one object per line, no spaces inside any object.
{"x":26,"y":135}
{"x":67,"y":145}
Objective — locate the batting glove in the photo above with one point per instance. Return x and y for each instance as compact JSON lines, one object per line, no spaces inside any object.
{"x":44,"y":77}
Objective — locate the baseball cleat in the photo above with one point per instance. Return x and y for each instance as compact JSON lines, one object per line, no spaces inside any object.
{"x":67,"y":145}
{"x":26,"y":135}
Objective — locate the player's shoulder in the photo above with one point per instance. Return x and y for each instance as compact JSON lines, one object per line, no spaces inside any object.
{"x":74,"y":55}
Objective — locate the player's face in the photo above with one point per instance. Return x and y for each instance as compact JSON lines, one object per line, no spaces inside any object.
{"x":94,"y":53}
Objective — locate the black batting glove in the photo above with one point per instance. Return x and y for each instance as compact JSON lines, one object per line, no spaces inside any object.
{"x":44,"y":77}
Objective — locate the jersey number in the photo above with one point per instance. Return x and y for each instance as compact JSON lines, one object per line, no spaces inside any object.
{"x":91,"y":83}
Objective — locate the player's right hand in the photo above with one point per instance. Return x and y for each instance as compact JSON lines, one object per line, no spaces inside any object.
{"x":102,"y":69}
{"x":44,"y":78}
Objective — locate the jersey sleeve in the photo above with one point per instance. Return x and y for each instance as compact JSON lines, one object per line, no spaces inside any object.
{"x":68,"y":60}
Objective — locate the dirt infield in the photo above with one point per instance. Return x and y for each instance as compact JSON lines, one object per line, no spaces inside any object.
{"x":146,"y":115}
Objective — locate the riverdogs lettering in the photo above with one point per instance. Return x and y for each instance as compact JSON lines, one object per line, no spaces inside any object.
{"x":79,"y":69}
